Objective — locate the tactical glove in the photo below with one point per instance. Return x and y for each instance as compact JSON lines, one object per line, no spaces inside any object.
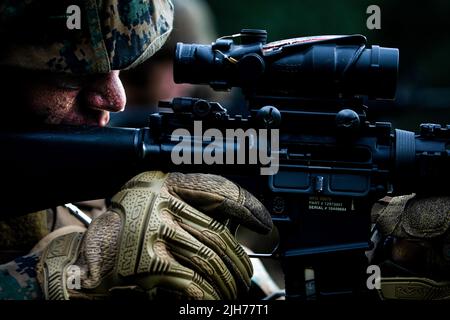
{"x":414,"y":252}
{"x":158,"y":239}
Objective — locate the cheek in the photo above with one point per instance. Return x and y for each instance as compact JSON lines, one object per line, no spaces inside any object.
{"x":161,"y":85}
{"x":51,"y":104}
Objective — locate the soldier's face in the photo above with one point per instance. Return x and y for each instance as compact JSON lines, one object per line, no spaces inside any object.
{"x":41,"y":97}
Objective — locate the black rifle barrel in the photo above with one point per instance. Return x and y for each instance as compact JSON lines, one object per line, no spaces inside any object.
{"x":55,"y":165}
{"x":50,"y":166}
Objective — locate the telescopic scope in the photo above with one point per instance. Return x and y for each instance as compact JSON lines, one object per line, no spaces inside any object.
{"x":325,"y":66}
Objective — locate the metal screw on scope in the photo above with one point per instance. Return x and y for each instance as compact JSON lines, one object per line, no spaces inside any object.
{"x":269,"y":116}
{"x":347,"y":119}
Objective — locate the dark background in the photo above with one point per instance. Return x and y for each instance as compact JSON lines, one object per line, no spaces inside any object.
{"x":421,"y":30}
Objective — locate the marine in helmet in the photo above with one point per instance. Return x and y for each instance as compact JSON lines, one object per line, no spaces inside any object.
{"x":164,"y":234}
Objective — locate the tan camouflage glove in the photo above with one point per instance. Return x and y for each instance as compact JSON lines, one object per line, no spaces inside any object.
{"x":416,"y":247}
{"x":156,"y":240}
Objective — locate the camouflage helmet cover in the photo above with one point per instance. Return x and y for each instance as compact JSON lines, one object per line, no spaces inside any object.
{"x":114,"y":34}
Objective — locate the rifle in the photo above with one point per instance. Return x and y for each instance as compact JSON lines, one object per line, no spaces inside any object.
{"x":333,"y":164}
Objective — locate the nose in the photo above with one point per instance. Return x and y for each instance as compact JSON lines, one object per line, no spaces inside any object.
{"x":106,"y":93}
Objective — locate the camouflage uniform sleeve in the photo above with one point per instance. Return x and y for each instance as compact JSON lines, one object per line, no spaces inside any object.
{"x":18,"y":279}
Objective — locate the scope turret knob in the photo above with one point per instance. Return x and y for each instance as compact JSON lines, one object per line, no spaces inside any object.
{"x":347,"y":119}
{"x":269,"y":117}
{"x":250,"y":68}
{"x":249,"y":36}
{"x":201,"y":108}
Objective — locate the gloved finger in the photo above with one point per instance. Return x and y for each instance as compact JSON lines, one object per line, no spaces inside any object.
{"x":44,"y":242}
{"x":195,"y":255}
{"x":169,"y":278}
{"x":138,"y":196}
{"x":413,"y":217}
{"x":214,"y":194}
{"x":144,"y":258}
{"x":217,"y":237}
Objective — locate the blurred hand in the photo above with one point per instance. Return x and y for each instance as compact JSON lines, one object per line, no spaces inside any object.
{"x":414,"y":247}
